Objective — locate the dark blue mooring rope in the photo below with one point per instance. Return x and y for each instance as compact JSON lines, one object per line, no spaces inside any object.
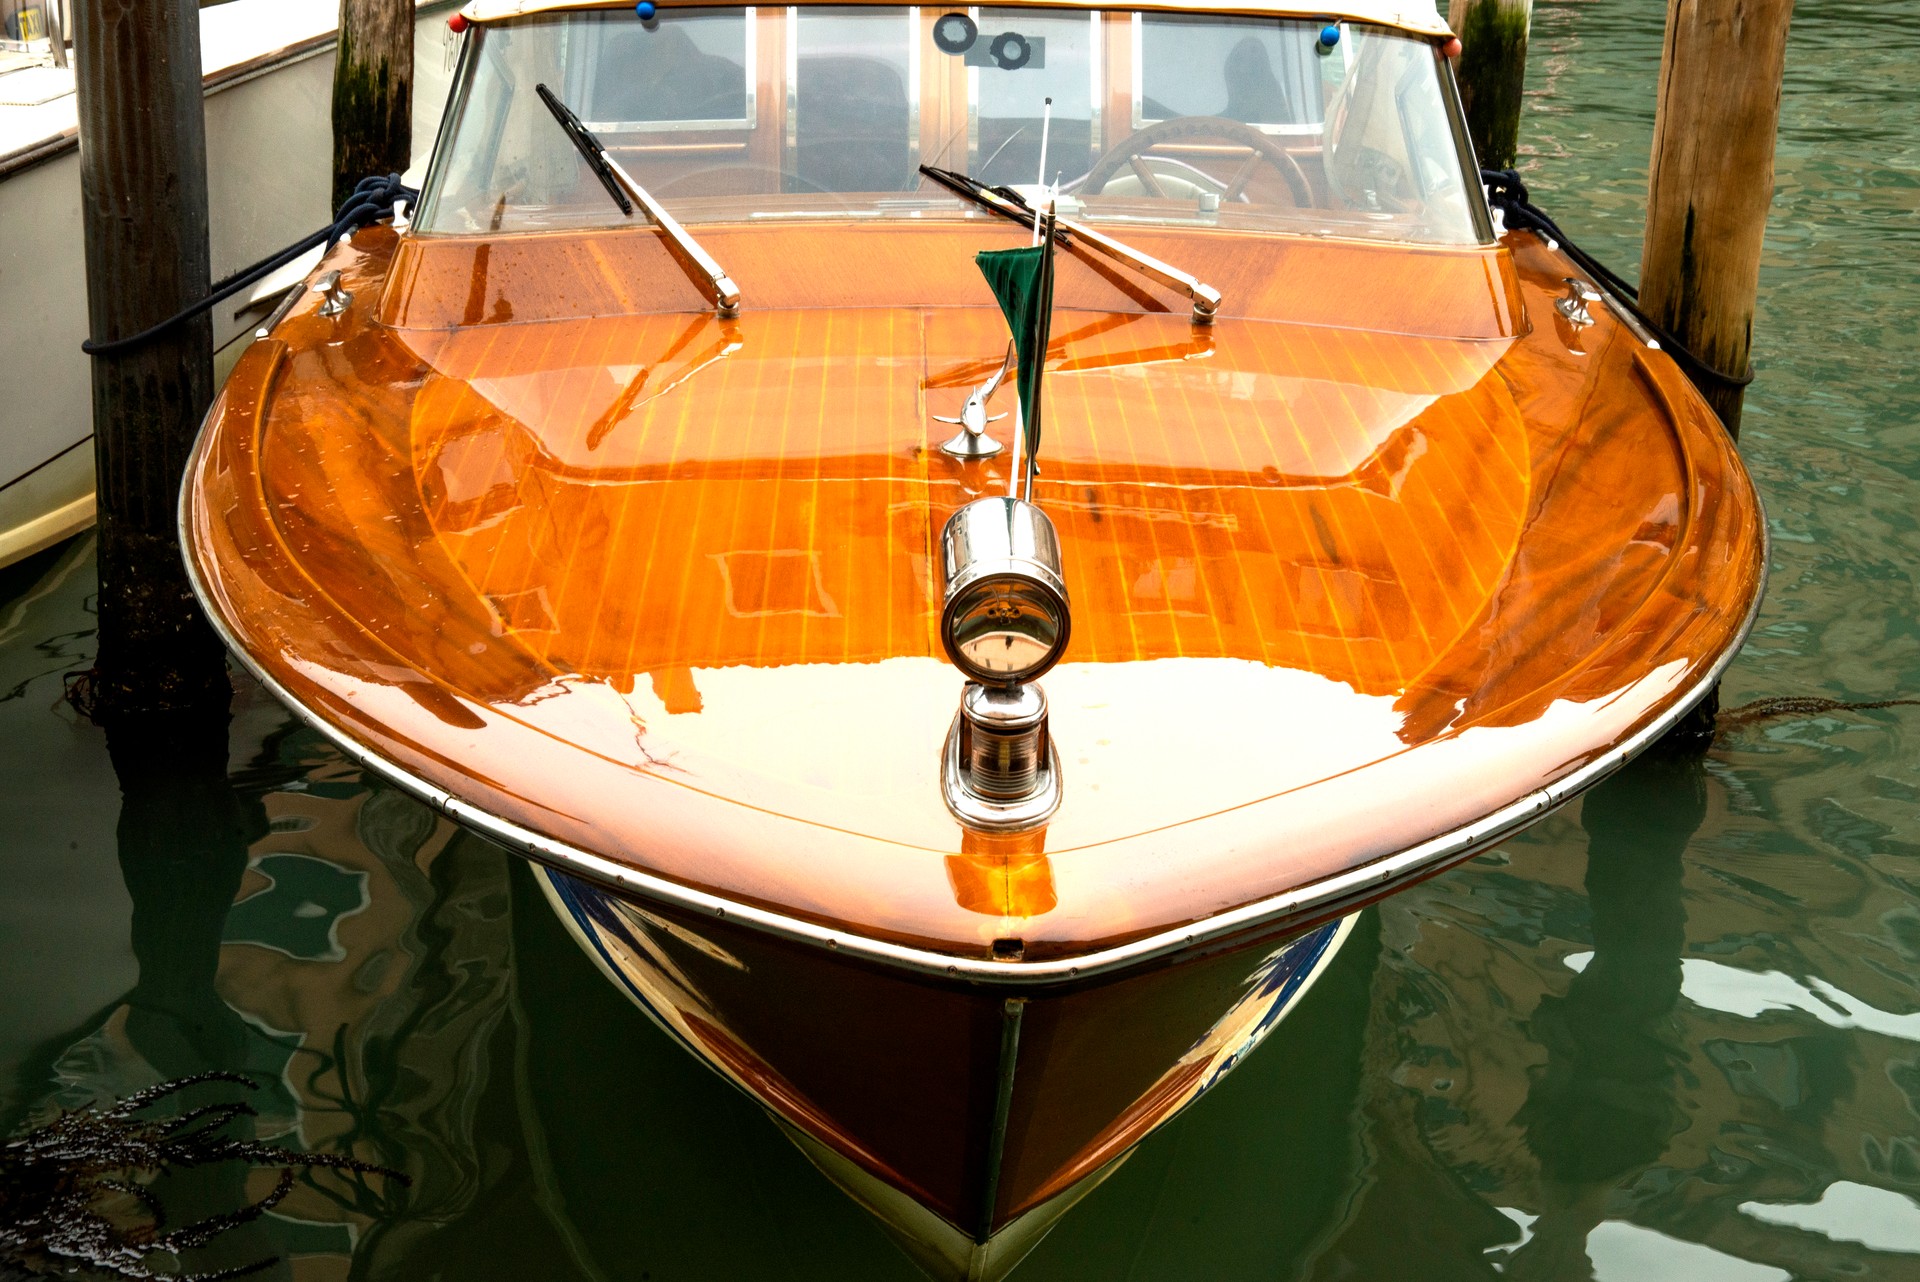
{"x":372,"y":199}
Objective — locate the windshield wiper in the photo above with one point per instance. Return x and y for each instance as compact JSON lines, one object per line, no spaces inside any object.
{"x":720,"y":287}
{"x":1011,"y":205}
{"x":1004,"y":201}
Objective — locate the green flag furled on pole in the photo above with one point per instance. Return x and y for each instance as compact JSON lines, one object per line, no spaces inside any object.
{"x":1022,"y":280}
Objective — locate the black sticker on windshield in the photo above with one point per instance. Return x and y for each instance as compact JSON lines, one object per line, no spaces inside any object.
{"x":1009,"y":51}
{"x":954,"y":33}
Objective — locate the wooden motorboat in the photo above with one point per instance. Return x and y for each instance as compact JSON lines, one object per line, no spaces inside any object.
{"x":615,"y":506}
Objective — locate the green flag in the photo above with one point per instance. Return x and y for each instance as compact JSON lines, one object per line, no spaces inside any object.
{"x":1022,"y":281}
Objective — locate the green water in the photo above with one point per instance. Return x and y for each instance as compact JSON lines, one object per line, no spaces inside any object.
{"x":1673,"y":1033}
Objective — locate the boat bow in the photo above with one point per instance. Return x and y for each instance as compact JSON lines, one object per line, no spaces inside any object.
{"x":665,"y":589}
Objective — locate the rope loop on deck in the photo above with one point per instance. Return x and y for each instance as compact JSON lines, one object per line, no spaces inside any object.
{"x":1508,"y":194}
{"x":373,"y":199}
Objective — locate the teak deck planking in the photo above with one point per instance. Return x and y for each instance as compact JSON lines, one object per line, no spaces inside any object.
{"x":528,"y":524}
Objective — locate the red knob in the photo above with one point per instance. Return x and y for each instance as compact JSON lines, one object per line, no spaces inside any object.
{"x":1451,"y":49}
{"x":458,"y":23}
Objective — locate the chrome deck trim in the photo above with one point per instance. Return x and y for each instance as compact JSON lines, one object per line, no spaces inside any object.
{"x":1319,"y":899}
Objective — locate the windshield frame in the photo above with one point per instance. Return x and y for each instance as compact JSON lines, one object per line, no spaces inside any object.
{"x":920,"y":202}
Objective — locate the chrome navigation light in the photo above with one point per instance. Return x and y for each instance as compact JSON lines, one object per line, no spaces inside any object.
{"x":1001,"y":773}
{"x":1005,"y":623}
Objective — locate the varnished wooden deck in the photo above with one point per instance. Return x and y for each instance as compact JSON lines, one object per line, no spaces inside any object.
{"x":1361,"y":564}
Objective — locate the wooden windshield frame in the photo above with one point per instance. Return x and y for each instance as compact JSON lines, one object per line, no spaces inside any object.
{"x":1420,"y":17}
{"x":943,"y":108}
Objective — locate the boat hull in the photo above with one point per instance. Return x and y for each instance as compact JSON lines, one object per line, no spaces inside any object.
{"x":967,"y":1117}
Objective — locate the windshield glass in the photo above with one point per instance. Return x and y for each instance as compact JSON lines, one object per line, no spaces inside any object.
{"x":732,"y":114}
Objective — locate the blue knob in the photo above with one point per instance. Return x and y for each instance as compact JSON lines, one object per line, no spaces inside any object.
{"x":645,"y":9}
{"x":1329,"y":36}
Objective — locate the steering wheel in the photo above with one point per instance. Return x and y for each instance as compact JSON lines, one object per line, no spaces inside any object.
{"x":1130,"y":150}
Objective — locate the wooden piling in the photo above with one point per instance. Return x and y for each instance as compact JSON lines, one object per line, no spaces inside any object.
{"x":1711,"y":180}
{"x":1492,"y":71}
{"x":372,"y":92}
{"x":143,"y":196}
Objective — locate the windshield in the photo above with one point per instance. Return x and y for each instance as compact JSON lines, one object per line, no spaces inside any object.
{"x":766,"y":113}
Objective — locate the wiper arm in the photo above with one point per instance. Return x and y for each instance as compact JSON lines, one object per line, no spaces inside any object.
{"x":720,"y":287}
{"x":1009,"y":204}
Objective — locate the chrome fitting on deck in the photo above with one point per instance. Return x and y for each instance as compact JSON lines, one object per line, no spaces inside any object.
{"x":1574,"y":306}
{"x":334,"y":300}
{"x":1004,"y":623}
{"x":1001,"y":771}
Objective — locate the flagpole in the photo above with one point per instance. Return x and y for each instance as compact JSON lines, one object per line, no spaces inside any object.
{"x":1043,"y":331}
{"x":1046,"y":125}
{"x":1043,"y":324}
{"x":1019,"y":439}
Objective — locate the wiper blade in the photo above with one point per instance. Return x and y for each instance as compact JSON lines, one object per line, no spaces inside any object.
{"x":719,"y":286}
{"x":1004,"y":201}
{"x":1009,"y":204}
{"x":587,"y":145}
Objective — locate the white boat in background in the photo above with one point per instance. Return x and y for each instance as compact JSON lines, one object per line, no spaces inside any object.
{"x":269,"y":75}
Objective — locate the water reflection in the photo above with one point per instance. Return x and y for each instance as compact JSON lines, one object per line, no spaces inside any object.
{"x":183,"y":835}
{"x":1602,"y":1107}
{"x":330,"y":941}
{"x":264,"y":948}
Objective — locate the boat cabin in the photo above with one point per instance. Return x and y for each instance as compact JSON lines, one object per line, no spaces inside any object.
{"x":1156,"y":117}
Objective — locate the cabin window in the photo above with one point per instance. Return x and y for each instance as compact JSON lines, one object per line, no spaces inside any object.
{"x":1062,"y":63}
{"x":694,"y":72}
{"x":819,"y":111}
{"x":856,"y":98}
{"x":1263,"y":72}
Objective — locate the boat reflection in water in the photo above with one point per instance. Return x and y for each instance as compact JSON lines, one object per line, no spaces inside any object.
{"x":340,"y":947}
{"x":612,"y":505}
